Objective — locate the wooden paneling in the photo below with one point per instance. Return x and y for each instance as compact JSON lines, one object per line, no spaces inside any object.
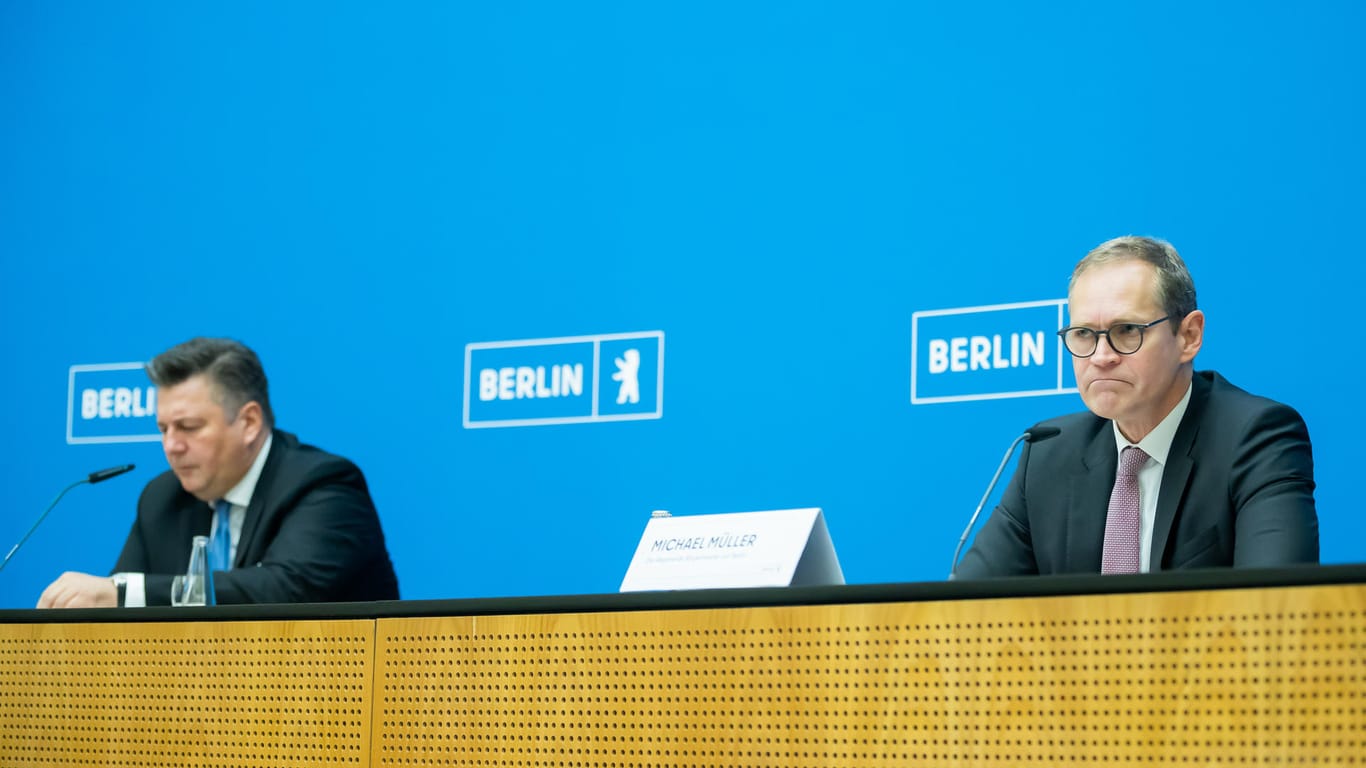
{"x":1222,"y":677}
{"x":239,"y":693}
{"x":1227,"y":677}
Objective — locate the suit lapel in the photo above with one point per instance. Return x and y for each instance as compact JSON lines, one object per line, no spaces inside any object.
{"x":1174,"y":477}
{"x":1089,"y":499}
{"x":1176,"y":473}
{"x":186,"y":517}
{"x":198,"y":518}
{"x":256,"y":510}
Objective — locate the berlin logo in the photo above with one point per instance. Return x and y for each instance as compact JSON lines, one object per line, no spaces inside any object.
{"x":110,"y":403}
{"x":564,"y":380}
{"x":989,"y":353}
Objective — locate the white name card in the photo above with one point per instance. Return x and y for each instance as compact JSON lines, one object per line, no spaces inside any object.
{"x":779,"y":548}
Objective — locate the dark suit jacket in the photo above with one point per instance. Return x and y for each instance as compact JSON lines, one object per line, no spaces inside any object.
{"x":1237,"y":490}
{"x":311,"y":534}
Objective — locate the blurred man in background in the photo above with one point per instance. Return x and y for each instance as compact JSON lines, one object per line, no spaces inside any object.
{"x":287,"y":522}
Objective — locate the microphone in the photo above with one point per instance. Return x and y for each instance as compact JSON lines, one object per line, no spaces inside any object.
{"x":105,"y":474}
{"x":92,"y":478}
{"x":1033,"y":435}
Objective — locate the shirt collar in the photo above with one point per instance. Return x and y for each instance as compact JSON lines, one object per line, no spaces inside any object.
{"x":1158,"y":443}
{"x":240,"y":495}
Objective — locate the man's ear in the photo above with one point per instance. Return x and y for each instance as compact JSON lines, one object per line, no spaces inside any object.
{"x":253,"y":421}
{"x":1191,"y":335}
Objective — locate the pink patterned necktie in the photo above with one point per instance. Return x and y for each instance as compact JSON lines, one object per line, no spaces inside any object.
{"x":1121,"y":519}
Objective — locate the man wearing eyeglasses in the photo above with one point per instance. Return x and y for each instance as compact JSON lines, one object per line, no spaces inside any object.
{"x":1169,"y":468}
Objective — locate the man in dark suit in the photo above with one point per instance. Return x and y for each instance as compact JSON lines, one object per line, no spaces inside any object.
{"x":1169,"y":468}
{"x":288,"y":522}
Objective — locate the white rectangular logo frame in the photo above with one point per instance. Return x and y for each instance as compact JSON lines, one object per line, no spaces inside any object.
{"x":71,"y":406}
{"x":594,"y":416}
{"x":915,"y":352}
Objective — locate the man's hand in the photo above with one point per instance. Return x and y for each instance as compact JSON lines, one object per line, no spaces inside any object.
{"x":80,"y":590}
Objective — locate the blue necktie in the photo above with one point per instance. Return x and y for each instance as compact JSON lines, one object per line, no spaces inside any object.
{"x":221,"y":546}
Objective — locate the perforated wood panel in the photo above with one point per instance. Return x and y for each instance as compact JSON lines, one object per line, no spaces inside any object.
{"x":202,"y":694}
{"x":1212,"y":678}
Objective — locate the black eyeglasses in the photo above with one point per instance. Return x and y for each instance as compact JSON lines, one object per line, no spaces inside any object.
{"x":1124,"y":338}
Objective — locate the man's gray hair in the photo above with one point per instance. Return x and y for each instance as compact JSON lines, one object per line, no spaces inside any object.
{"x":1175,"y":287}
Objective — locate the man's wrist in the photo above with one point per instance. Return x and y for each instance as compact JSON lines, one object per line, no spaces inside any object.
{"x":121,"y":587}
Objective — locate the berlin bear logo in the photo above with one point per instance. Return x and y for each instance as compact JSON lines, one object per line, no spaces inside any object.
{"x":628,"y":369}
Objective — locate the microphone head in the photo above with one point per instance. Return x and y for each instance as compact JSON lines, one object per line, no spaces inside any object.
{"x":104,"y":474}
{"x":1035,"y":434}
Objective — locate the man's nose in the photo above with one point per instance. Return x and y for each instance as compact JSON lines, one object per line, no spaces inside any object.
{"x":1105,"y":351}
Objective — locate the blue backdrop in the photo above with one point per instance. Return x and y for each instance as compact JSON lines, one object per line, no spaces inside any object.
{"x":778,"y":198}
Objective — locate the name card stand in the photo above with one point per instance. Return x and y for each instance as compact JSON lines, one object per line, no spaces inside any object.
{"x":777,"y":548}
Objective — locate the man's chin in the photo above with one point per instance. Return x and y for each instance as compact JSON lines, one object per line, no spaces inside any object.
{"x":1103,"y":404}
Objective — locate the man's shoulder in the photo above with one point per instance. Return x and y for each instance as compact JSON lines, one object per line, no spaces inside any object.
{"x":1223,"y":398}
{"x":295,"y":459}
{"x":294,"y":470}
